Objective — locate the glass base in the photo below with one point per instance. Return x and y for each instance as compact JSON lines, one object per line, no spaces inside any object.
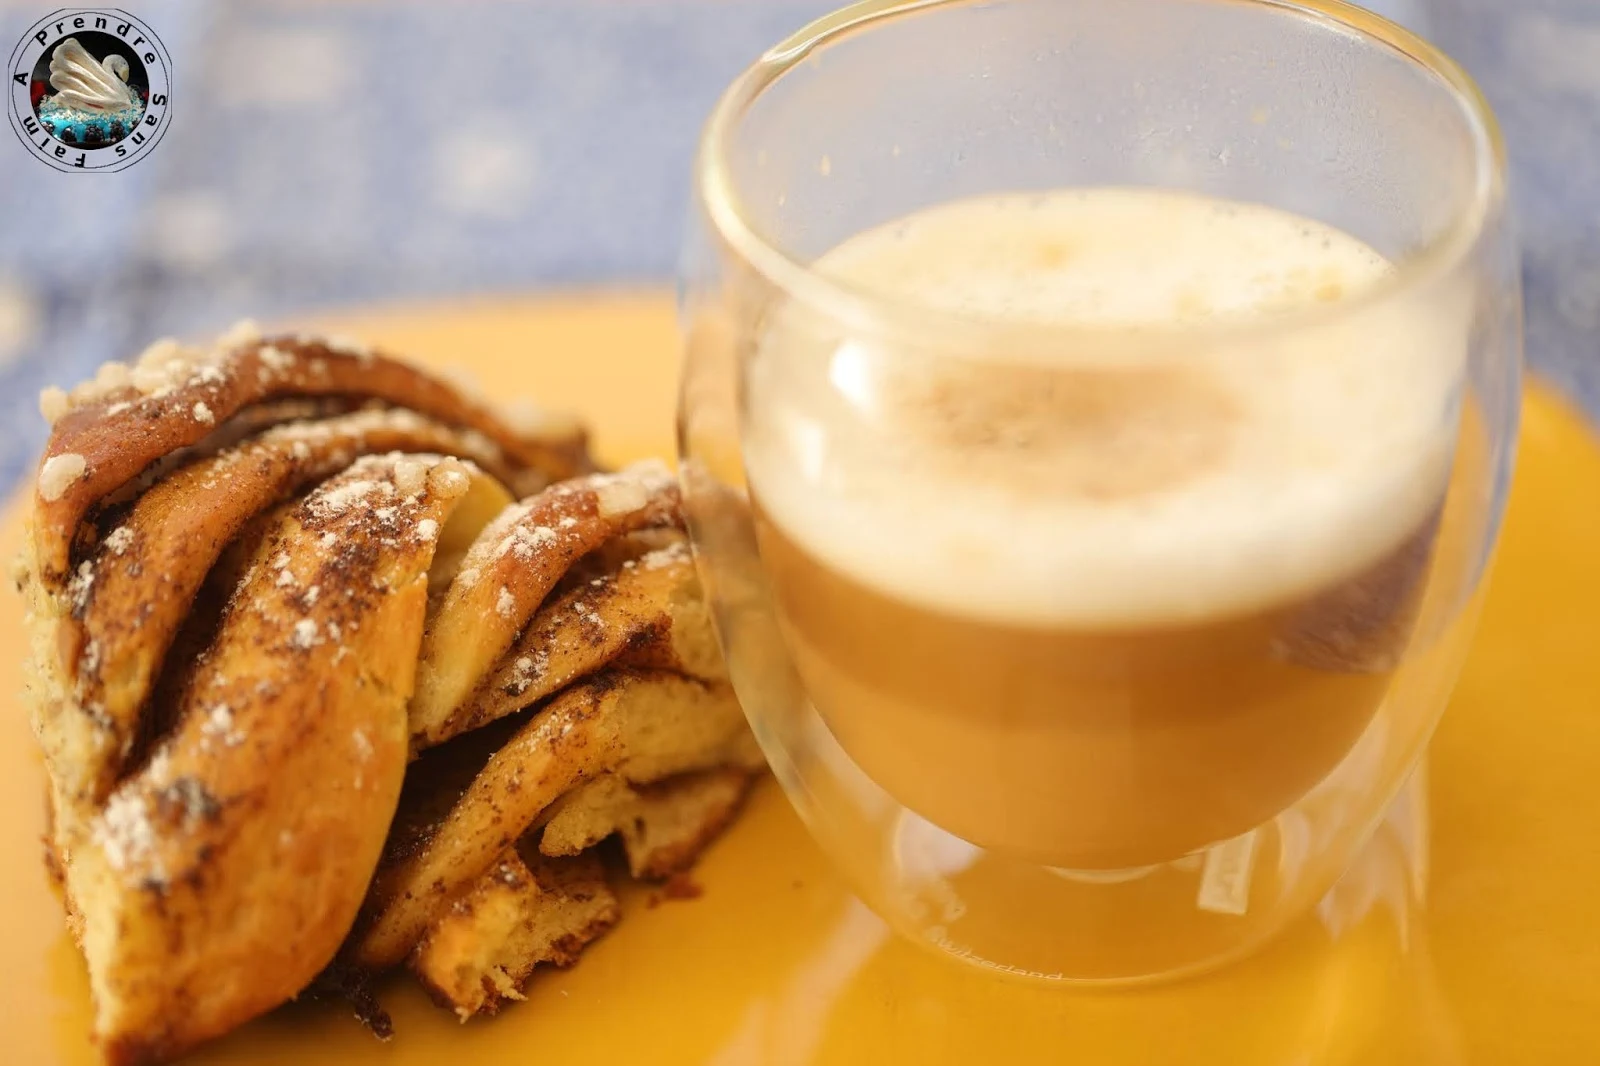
{"x":1053,"y":924}
{"x":1042,"y":923}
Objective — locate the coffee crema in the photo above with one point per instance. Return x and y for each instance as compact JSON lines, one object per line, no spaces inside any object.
{"x":1114,"y":603}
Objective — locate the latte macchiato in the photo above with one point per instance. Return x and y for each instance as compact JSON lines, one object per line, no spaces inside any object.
{"x":1106,"y":603}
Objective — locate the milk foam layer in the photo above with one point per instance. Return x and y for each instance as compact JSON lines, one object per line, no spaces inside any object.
{"x":1146,"y":475}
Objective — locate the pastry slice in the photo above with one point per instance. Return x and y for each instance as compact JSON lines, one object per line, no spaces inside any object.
{"x":527,"y":910}
{"x":222,"y":874}
{"x":542,"y":906}
{"x":641,"y":726}
{"x":663,"y":826}
{"x":263,"y":578}
{"x":107,"y":432}
{"x":116,"y":625}
{"x":512,"y":569}
{"x":647,"y":613}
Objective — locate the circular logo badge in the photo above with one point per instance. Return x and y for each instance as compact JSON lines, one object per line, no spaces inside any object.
{"x":90,"y":89}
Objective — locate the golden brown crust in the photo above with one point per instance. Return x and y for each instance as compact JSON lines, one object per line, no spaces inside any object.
{"x":242,"y":630}
{"x":222,"y":876}
{"x":525,"y":911}
{"x":534,"y":908}
{"x":101,"y":445}
{"x":637,"y":613}
{"x":122,"y":623}
{"x":641,"y":726}
{"x":509,"y":572}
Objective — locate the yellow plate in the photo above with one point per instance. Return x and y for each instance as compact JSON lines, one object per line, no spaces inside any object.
{"x":1484,"y":948}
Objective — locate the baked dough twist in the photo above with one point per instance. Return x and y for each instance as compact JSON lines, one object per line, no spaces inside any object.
{"x":262,"y":581}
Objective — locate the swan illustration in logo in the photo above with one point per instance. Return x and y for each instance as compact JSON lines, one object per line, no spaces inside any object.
{"x":93,"y":103}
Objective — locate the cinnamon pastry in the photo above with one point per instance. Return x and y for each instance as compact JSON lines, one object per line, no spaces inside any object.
{"x":511,"y":570}
{"x":236,"y":858}
{"x":117,"y":634}
{"x":644,"y":726}
{"x":527,"y":911}
{"x":663,"y":826}
{"x":538,"y":906}
{"x":647,"y":613}
{"x":309,"y":685}
{"x":106,"y":433}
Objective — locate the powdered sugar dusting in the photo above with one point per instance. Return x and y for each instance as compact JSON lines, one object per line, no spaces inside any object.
{"x":275,"y":359}
{"x":450,"y":480}
{"x":163,"y":368}
{"x":188,"y":797}
{"x":337,"y":502}
{"x":632,"y":489}
{"x":305,"y":635}
{"x":219,"y":727}
{"x":119,"y":540}
{"x":525,"y":543}
{"x":112,"y":376}
{"x":158,"y":353}
{"x":410,"y":477}
{"x":619,"y":498}
{"x":586,"y":614}
{"x":526,"y":671}
{"x":160,"y":767}
{"x":54,"y":404}
{"x":59,"y":473}
{"x":671,"y":555}
{"x":124,"y":831}
{"x":506,"y":603}
{"x":243,"y":332}
{"x":81,"y":587}
{"x":348,"y":346}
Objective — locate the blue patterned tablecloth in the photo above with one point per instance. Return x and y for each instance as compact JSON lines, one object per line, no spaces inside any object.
{"x":314,"y":160}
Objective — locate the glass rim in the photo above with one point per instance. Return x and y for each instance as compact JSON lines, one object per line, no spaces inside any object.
{"x":858,"y":308}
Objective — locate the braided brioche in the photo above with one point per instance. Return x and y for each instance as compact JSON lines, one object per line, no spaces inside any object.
{"x":310,"y":686}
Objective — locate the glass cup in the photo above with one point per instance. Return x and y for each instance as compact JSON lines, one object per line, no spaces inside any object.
{"x":1092,"y":636}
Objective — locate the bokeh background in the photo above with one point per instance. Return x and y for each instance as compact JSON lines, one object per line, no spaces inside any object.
{"x":350,"y":152}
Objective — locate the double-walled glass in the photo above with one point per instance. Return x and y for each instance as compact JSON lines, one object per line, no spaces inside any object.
{"x":1089,"y":649}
